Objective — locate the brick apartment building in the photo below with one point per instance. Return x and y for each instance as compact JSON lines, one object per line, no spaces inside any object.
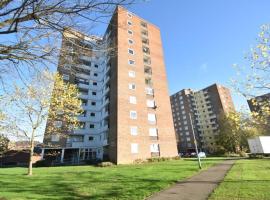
{"x":256,"y":102}
{"x":199,"y":111}
{"x":124,"y":93}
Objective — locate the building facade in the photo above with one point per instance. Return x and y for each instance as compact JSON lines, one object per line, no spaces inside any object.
{"x":122,"y":81}
{"x":255,"y":104}
{"x":195,"y":115}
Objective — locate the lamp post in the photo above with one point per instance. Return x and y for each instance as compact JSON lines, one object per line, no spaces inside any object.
{"x":195,"y":143}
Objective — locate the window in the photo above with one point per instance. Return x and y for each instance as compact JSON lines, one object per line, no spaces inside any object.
{"x":131,"y":74}
{"x":129,"y":15}
{"x":133,"y":114}
{"x":130,"y":41}
{"x":146,"y":50}
{"x":58,"y":124}
{"x":145,"y":33}
{"x":154,"y":148}
{"x":151,"y":118}
{"x":92,"y":126}
{"x":94,"y":93}
{"x":145,"y":41}
{"x":150,"y":103}
{"x":153,"y":132}
{"x":55,"y":138}
{"x":95,"y":74}
{"x":96,"y":66}
{"x":188,"y":138}
{"x":90,"y":138}
{"x":67,"y":66}
{"x":186,"y":127}
{"x":132,"y":100}
{"x":94,"y":83}
{"x":132,"y":86}
{"x":149,"y":91}
{"x":144,"y":25}
{"x":130,"y":32}
{"x":147,"y":60}
{"x":130,"y":51}
{"x":93,"y":114}
{"x":93,"y":103}
{"x":131,"y":62}
{"x":134,"y":148}
{"x":65,"y":77}
{"x":134,"y":130}
{"x":129,"y":23}
{"x":187,"y":133}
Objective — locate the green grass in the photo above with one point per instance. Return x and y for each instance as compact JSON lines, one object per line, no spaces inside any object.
{"x":247,"y":180}
{"x":88,"y":182}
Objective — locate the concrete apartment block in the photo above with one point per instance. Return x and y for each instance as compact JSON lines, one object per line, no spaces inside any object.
{"x":132,"y":114}
{"x":199,"y":110}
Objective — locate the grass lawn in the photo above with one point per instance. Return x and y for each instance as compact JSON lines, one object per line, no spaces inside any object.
{"x":247,"y":180}
{"x":88,"y":182}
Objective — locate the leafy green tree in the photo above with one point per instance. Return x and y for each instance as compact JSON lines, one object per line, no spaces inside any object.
{"x":4,"y":141}
{"x":46,"y":97}
{"x":253,"y":80}
{"x":235,"y":129}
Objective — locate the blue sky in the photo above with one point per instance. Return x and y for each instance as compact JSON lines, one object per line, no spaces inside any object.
{"x":202,"y":39}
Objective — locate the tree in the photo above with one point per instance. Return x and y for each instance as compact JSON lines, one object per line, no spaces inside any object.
{"x":30,"y":105}
{"x":253,"y":79}
{"x":31,"y":28}
{"x":235,"y":128}
{"x":4,"y":141}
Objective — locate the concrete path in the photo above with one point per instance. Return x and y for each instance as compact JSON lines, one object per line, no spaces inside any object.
{"x":198,"y":187}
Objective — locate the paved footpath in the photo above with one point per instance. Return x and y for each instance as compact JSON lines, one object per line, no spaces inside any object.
{"x":198,"y":187}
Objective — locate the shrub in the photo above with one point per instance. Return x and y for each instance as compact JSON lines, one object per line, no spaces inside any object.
{"x":139,"y":161}
{"x":93,"y":162}
{"x":243,"y":154}
{"x":43,"y":163}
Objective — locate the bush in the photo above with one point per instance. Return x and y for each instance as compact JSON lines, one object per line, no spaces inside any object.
{"x":243,"y":154}
{"x":43,"y":163}
{"x":139,"y":161}
{"x":105,"y":164}
{"x":92,"y":162}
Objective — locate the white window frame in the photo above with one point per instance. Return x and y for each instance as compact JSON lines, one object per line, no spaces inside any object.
{"x":132,"y":74}
{"x":149,"y":91}
{"x":134,"y":148}
{"x":129,"y":15}
{"x":134,"y":130}
{"x":131,"y":50}
{"x":55,"y":138}
{"x":150,"y":103}
{"x":129,"y":23}
{"x":153,"y":132}
{"x":133,"y":114}
{"x":130,"y":86}
{"x":130,"y":32}
{"x":132,"y":100}
{"x":129,"y":62}
{"x":152,"y":116}
{"x":66,"y":77}
{"x":58,"y":124}
{"x":154,"y":148}
{"x":132,"y":41}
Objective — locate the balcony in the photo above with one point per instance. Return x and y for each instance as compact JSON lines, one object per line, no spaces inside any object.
{"x":83,"y":96}
{"x":83,"y":85}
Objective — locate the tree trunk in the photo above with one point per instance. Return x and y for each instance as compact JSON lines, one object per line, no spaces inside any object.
{"x":30,"y":165}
